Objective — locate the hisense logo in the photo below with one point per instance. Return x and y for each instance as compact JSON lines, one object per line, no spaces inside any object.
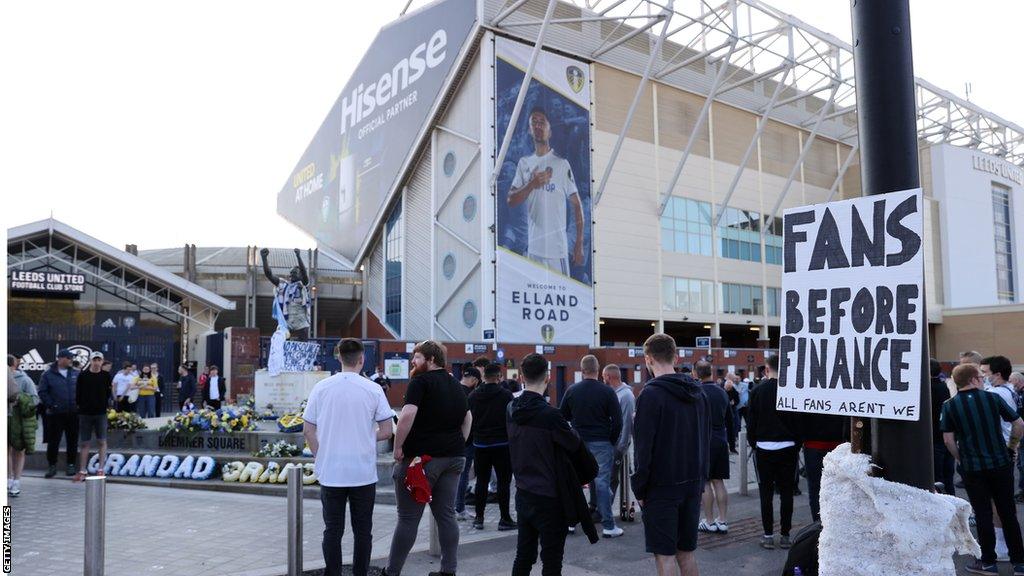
{"x":32,"y":361}
{"x":364,"y":99}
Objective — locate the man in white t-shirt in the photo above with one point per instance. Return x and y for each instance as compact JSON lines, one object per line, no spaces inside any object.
{"x":122,"y":382}
{"x":545,"y":182}
{"x":346,"y":415}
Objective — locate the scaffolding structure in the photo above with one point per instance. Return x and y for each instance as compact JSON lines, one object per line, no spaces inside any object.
{"x":744,"y":53}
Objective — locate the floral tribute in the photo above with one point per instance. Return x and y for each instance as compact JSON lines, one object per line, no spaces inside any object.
{"x":226,"y":419}
{"x":128,"y":421}
{"x":166,"y":466}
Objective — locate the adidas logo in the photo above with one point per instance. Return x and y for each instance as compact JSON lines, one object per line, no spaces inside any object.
{"x":33,"y":361}
{"x":109,"y":323}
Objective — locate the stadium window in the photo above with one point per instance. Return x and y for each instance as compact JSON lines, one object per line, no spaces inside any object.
{"x":742,"y":299}
{"x":393,"y":270}
{"x":774,"y":301}
{"x":773,"y":240}
{"x":686,"y":226}
{"x":1005,"y":289}
{"x":739,"y":232}
{"x":688,"y":295}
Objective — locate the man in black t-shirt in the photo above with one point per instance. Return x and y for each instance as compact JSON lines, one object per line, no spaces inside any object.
{"x":435,"y":422}
{"x":93,"y":396}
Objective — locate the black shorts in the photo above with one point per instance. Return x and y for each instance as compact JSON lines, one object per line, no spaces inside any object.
{"x":719,"y":461}
{"x":670,"y":526}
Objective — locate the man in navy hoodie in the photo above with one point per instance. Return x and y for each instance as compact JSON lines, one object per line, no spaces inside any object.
{"x":671,"y":439}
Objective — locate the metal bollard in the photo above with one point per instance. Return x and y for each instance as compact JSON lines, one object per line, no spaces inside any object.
{"x":95,"y":524}
{"x":435,"y":542}
{"x":744,"y":456}
{"x":295,"y":521}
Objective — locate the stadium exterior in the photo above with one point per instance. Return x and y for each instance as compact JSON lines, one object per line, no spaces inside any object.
{"x":705,"y":126}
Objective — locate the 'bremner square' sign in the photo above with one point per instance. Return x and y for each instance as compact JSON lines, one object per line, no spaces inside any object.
{"x":852,"y":320}
{"x":36,"y":281}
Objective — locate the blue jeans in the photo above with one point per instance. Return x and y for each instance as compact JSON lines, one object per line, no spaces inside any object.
{"x":460,"y":496}
{"x":146,"y":406}
{"x":604,"y":453}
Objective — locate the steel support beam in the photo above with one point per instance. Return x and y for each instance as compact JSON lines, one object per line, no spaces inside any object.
{"x":803,"y":156}
{"x":753,"y":144}
{"x":514,"y":119}
{"x":632,"y":110}
{"x":627,"y":37}
{"x":508,"y":12}
{"x":842,"y":172}
{"x":701,"y":119}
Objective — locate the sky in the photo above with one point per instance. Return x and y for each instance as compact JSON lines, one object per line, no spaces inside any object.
{"x":163,"y":123}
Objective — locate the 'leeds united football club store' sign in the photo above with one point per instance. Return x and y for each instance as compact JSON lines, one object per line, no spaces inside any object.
{"x":53,"y":282}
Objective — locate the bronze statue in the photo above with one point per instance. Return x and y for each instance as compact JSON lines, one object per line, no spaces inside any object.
{"x":291,"y":300}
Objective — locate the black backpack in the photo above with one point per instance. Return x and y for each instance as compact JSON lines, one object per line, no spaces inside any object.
{"x":804,"y":552}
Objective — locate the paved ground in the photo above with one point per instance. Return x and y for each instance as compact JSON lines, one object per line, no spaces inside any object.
{"x":155,"y":530}
{"x":160,"y":530}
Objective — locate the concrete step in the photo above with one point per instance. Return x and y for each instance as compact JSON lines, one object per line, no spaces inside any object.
{"x":37,"y":461}
{"x":385,"y":494}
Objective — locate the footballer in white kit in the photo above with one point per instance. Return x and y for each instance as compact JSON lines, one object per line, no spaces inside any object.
{"x":545,"y":182}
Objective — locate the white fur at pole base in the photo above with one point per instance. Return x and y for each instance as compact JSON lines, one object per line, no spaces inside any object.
{"x":872,"y":526}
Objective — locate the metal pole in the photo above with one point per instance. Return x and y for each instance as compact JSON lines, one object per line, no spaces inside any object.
{"x":887,"y":119}
{"x":95,"y":524}
{"x":744,"y":472}
{"x":295,"y":521}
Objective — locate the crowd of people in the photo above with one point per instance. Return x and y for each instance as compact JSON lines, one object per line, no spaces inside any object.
{"x":72,"y":401}
{"x":462,"y":442}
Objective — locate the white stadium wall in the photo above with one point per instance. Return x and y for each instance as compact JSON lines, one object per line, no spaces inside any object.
{"x":457,"y":261}
{"x":962,"y":182}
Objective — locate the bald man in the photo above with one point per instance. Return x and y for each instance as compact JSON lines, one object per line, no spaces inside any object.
{"x":593,"y":410}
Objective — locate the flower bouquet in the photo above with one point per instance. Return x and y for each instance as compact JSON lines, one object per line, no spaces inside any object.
{"x":226,"y":419}
{"x":279,"y":449}
{"x":127,"y":421}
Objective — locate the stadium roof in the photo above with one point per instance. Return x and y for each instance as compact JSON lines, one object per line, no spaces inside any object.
{"x":234,"y":258}
{"x":683,"y":43}
{"x":51,"y":242}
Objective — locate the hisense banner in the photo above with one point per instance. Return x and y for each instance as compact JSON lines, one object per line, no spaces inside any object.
{"x":340,"y":186}
{"x":544,"y":271}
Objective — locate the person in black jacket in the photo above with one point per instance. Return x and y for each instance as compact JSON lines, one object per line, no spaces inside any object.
{"x":944,"y":464}
{"x":593,"y":410}
{"x":549,"y":494}
{"x":186,"y":386}
{"x":718,"y":471}
{"x":671,"y":439}
{"x":488,"y":403}
{"x":776,"y":455}
{"x":471,"y":378}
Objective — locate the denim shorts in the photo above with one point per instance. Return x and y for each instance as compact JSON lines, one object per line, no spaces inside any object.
{"x":90,"y":425}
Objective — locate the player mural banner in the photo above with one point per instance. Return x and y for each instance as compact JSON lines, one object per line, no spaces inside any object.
{"x":852,"y":310}
{"x":544,"y":267}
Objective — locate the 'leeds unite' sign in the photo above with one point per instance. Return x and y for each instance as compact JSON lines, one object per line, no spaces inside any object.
{"x":852,"y":317}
